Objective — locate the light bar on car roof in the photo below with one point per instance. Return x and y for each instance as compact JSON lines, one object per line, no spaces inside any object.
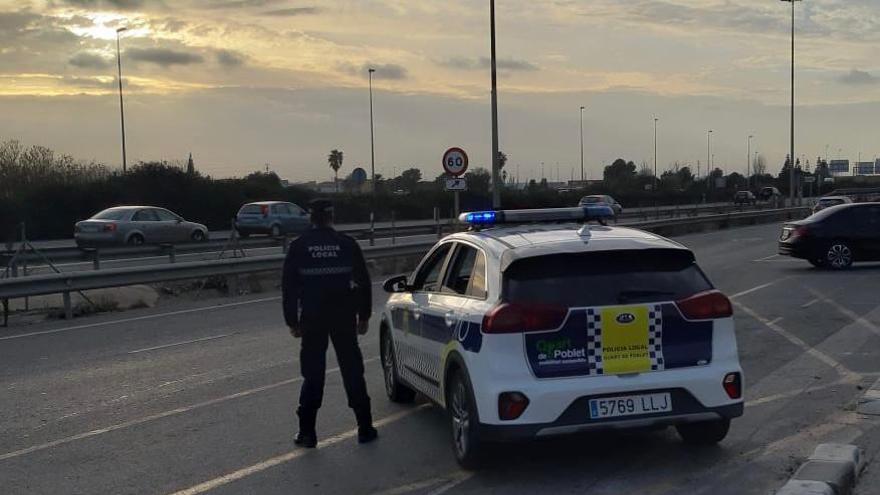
{"x":498,"y":217}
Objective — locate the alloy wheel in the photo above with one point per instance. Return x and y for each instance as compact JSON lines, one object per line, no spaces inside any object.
{"x":839,"y":256}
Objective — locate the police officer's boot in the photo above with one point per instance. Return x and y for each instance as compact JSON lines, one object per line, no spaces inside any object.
{"x":366,"y":432}
{"x":307,"y":437}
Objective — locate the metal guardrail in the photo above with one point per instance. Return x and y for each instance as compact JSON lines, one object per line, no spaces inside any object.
{"x":66,"y":283}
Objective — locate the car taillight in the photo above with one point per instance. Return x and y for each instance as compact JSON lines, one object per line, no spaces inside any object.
{"x":511,"y":405}
{"x":109,"y":227}
{"x":264,"y":210}
{"x":706,"y":306}
{"x":521,"y":317}
{"x":733,"y":385}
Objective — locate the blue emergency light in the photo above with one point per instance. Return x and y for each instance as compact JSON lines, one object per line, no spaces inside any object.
{"x":586,"y":213}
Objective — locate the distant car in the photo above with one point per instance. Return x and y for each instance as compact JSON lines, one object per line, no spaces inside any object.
{"x":137,"y":225}
{"x":744,"y":198}
{"x":829,"y":201}
{"x":600,"y":199}
{"x":835,"y":237}
{"x":275,"y":218}
{"x":768,"y":193}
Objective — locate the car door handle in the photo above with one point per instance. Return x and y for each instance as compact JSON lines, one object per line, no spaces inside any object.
{"x":450,"y":319}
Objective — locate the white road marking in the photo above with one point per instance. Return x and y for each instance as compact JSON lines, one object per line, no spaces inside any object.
{"x":767,"y":258}
{"x":753,"y":289}
{"x":810,"y":303}
{"x":423,"y":484}
{"x":852,"y":315}
{"x":794,"y":339}
{"x":203,"y":339}
{"x":794,"y":393}
{"x":154,"y":417}
{"x":289,"y":456}
{"x":461,"y":478}
{"x":141,"y":318}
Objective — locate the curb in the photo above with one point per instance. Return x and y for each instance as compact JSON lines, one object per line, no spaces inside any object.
{"x":832,"y":469}
{"x":869,"y":404}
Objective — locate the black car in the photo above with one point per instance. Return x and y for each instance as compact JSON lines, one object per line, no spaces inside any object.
{"x":835,"y":237}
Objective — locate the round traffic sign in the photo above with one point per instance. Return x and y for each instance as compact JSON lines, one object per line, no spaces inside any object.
{"x":455,"y":162}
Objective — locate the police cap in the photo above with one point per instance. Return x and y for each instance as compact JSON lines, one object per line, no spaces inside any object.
{"x":320,"y":205}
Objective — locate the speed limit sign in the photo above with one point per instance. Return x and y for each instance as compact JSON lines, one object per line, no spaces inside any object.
{"x":455,"y":162}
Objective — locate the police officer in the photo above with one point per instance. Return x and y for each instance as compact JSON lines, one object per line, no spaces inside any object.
{"x":327,"y":296}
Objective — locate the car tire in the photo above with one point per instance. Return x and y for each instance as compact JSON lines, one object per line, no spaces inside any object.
{"x":276,"y":231}
{"x":839,"y":255}
{"x":704,"y":432}
{"x":135,"y":240}
{"x":396,"y":391}
{"x":464,"y":421}
{"x":199,"y":236}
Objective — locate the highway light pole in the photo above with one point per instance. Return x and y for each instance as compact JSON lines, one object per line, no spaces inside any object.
{"x":496,"y":173}
{"x":370,"y":72}
{"x":121,"y":108}
{"x":748,"y":159}
{"x":791,"y":151}
{"x":708,"y":156}
{"x":655,"y":155}
{"x":582,"y":146}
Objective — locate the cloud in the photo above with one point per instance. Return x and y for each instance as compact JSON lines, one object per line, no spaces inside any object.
{"x":164,"y":57}
{"x":857,"y":77}
{"x":114,"y":4}
{"x":15,"y":21}
{"x":511,"y":64}
{"x":239,"y":4}
{"x":89,"y":60}
{"x":293,"y":12}
{"x":383,"y":71}
{"x":230,"y":58}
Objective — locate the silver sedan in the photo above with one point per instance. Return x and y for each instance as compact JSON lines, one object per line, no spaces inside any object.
{"x":137,"y":225}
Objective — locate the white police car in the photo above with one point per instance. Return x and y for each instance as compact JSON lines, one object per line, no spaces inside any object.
{"x":523,"y":329}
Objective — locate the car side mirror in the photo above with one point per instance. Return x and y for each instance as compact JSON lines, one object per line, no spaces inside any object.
{"x":396,"y":284}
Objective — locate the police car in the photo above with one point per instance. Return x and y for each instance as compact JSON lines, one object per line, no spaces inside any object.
{"x":536,"y":323}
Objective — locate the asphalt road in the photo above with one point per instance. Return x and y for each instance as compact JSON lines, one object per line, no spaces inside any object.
{"x":199,"y":399}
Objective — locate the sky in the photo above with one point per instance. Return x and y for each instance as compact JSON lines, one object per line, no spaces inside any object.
{"x":245,"y":83}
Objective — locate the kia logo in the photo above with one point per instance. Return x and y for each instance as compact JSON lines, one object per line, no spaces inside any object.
{"x":626,"y":318}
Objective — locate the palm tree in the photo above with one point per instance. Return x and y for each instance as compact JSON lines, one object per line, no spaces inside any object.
{"x":335,"y":161}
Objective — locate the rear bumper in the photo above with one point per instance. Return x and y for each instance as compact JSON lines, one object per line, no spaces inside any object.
{"x":575,"y":419}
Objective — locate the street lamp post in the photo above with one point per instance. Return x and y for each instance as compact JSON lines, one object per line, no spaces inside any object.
{"x":791,"y":153}
{"x":708,"y":156}
{"x":121,"y":107}
{"x":748,"y":159}
{"x":496,"y":173}
{"x":582,"y":145}
{"x":655,"y":155}
{"x":370,"y":72}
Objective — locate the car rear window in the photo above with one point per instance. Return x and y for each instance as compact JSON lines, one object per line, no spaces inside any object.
{"x":592,"y":199}
{"x":250,"y":210}
{"x":111,"y":214}
{"x":605,"y":278}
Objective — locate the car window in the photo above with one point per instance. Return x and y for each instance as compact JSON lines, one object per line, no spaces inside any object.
{"x":467,"y":273}
{"x":279,"y":210}
{"x":591,"y":199}
{"x":428,"y":277}
{"x":166,"y":216}
{"x":605,"y":278}
{"x":250,"y":210}
{"x":145,"y":216}
{"x":111,"y":214}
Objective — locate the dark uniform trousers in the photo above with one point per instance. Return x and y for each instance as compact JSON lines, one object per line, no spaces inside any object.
{"x":316,"y":334}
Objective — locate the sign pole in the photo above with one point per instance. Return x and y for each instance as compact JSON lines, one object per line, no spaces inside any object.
{"x":456,"y":210}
